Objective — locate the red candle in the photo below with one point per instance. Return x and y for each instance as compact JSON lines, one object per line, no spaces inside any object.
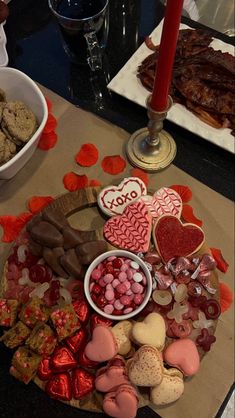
{"x":166,"y":55}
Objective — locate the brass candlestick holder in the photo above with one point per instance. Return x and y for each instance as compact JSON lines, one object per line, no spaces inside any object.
{"x":152,"y":148}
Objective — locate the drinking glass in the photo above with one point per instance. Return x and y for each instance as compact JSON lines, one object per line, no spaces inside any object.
{"x":84,"y":26}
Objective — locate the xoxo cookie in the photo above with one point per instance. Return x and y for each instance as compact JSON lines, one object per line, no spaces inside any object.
{"x":169,"y":390}
{"x":151,"y":331}
{"x":165,"y":201}
{"x":183,"y":354}
{"x":102,"y":346}
{"x":146,"y":367}
{"x":112,"y":200}
{"x":121,"y":332}
{"x":121,"y":404}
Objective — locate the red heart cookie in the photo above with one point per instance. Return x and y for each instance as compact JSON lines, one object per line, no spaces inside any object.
{"x":121,"y":404}
{"x":103,"y":346}
{"x":164,"y":202}
{"x":183,"y":355}
{"x":83,"y":383}
{"x":62,"y":360}
{"x":131,"y":230}
{"x":59,"y":387}
{"x":174,"y":239}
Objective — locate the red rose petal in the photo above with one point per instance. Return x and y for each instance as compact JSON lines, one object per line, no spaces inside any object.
{"x":73,"y":181}
{"x":114,"y":164}
{"x":47,"y":141}
{"x":95,"y":183}
{"x":226,"y":297}
{"x":141,"y":174}
{"x":87,"y":156}
{"x":50,"y":124}
{"x":184,"y":191}
{"x":188,"y":215}
{"x":222,"y":264}
{"x":37,"y":203}
{"x":49,"y":104}
{"x":12,"y":225}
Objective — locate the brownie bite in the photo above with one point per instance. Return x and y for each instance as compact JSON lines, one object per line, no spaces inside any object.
{"x":34,"y":311}
{"x":42,"y":340}
{"x":26,"y":363}
{"x":8,"y":312}
{"x":65,"y":321}
{"x":16,"y":335}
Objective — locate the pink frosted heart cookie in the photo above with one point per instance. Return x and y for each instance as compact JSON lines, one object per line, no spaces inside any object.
{"x":183,"y":355}
{"x":110,"y":378}
{"x":165,"y":201}
{"x":102,"y":346}
{"x":131,"y":230}
{"x":112,"y":200}
{"x":174,"y":239}
{"x":121,"y":404}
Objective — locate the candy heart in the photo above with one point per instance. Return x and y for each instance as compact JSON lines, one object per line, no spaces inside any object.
{"x":110,"y":378}
{"x":103,"y":346}
{"x":151,"y":331}
{"x":82,"y":310}
{"x":76,"y":341}
{"x":99,"y":320}
{"x":112,"y":200}
{"x":164,"y":201}
{"x":131,"y":230}
{"x":146,"y":368}
{"x":71,"y":264}
{"x":59,"y":387}
{"x":44,"y":369}
{"x":183,"y":355}
{"x":62,"y":360}
{"x":121,"y":404}
{"x":169,"y":390}
{"x":83,"y":383}
{"x":174,"y":239}
{"x":121,"y":332}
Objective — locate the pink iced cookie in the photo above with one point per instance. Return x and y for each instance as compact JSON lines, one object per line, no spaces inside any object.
{"x":131,"y":230}
{"x":165,"y":201}
{"x":102,"y":346}
{"x":183,"y":355}
{"x":112,"y":200}
{"x":121,"y":404}
{"x":111,"y":378}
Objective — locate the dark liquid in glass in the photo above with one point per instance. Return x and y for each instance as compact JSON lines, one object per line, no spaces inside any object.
{"x":73,"y":33}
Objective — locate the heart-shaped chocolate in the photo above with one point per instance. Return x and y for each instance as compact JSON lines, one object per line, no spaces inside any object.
{"x":165,"y":201}
{"x":52,"y":257}
{"x":62,"y":360}
{"x":131,"y":230}
{"x":146,"y":367}
{"x":151,"y":331}
{"x":72,"y":237}
{"x":55,"y":217}
{"x":110,"y":378}
{"x":82,"y":310}
{"x":44,"y":370}
{"x":46,"y":234}
{"x":112,"y":200}
{"x":99,"y":320}
{"x":86,"y":362}
{"x":121,"y":404}
{"x":174,"y":239}
{"x":76,"y":341}
{"x":102,"y":346}
{"x":183,"y":355}
{"x":83,"y":383}
{"x":59,"y":387}
{"x":71,"y":263}
{"x":169,"y":390}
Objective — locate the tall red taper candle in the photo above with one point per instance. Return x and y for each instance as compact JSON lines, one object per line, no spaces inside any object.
{"x":166,"y":54}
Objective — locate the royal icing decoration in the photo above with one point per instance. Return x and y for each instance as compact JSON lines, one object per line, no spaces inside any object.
{"x":164,"y":202}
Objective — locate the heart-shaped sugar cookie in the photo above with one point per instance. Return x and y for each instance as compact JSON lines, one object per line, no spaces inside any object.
{"x":174,"y":239}
{"x":183,"y":354}
{"x":131,"y":230}
{"x":169,"y":390}
{"x":112,"y":200}
{"x":121,"y":404}
{"x":151,"y":331}
{"x":165,"y":201}
{"x":102,"y":346}
{"x":110,"y":378}
{"x":146,"y":367}
{"x":121,"y":332}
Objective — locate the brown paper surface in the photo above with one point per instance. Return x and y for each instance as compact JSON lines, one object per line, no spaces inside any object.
{"x":43,"y":175}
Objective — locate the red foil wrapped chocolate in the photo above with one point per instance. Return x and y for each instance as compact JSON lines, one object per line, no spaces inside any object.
{"x":83,"y":383}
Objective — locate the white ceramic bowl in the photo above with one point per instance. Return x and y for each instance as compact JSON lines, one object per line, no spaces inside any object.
{"x":18,"y":86}
{"x":118,"y":253}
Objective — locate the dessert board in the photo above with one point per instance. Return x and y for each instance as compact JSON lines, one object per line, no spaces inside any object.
{"x":76,"y":202}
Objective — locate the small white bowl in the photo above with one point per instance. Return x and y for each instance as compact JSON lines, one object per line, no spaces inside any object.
{"x":18,"y":86}
{"x":118,"y":253}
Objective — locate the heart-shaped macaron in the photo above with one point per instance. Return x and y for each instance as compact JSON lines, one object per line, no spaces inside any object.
{"x":102,"y":346}
{"x":146,"y":367}
{"x":131,"y":230}
{"x":83,"y":383}
{"x":174,"y":239}
{"x":121,"y":332}
{"x":151,"y":331}
{"x":59,"y":387}
{"x":165,"y":201}
{"x":183,"y":355}
{"x":62,"y":360}
{"x":121,"y":404}
{"x":110,"y":378}
{"x":169,"y":390}
{"x":112,"y":200}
